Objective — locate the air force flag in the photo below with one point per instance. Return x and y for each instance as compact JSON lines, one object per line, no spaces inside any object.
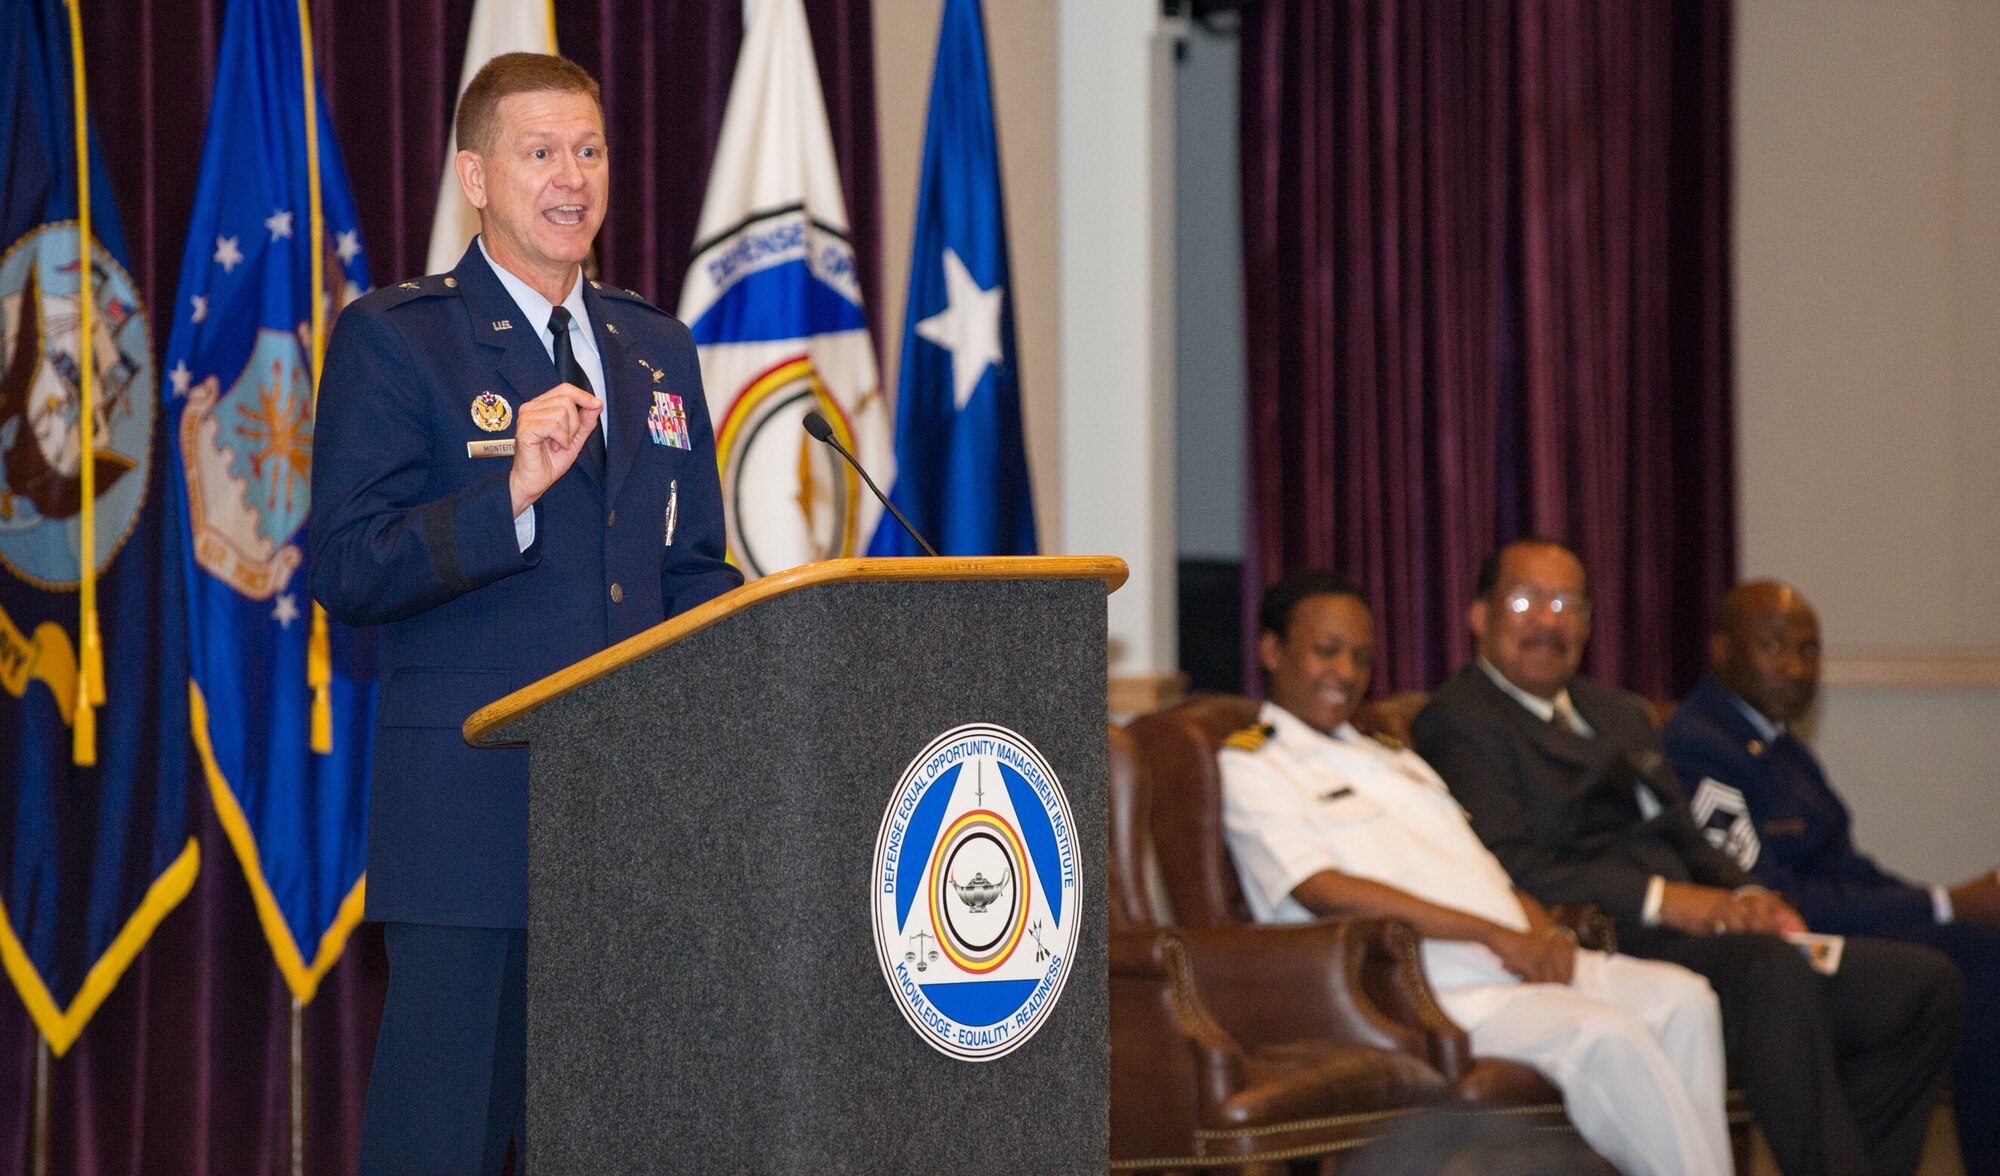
{"x":963,"y":469}
{"x":241,"y":370}
{"x":774,"y":302}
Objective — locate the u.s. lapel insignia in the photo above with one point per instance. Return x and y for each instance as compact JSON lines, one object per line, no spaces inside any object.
{"x":667,"y":420}
{"x":503,"y":324}
{"x":491,"y":412}
{"x":612,"y":327}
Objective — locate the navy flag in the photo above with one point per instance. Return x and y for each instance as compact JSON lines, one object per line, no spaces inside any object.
{"x":281,"y":697}
{"x":94,"y":827}
{"x":961,"y":468}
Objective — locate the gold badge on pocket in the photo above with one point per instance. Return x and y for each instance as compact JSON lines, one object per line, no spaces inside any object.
{"x":491,"y":412}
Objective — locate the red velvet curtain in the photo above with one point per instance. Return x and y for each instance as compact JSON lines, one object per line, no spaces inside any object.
{"x":1487,"y":267}
{"x":187,"y":1067}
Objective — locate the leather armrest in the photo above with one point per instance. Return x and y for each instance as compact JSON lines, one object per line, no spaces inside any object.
{"x":1330,"y":980}
{"x":1392,"y":974}
{"x":1138,"y":954}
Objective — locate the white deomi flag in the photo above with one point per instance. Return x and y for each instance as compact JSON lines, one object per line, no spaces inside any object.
{"x":498,"y":26}
{"x":774,"y":302}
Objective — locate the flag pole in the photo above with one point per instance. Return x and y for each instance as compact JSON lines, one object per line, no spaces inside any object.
{"x":298,"y":1088}
{"x":90,"y":675}
{"x":319,"y":653}
{"x":319,"y":659}
{"x":40,"y":1150}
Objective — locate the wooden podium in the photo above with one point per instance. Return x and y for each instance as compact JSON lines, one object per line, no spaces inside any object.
{"x":705,"y":988}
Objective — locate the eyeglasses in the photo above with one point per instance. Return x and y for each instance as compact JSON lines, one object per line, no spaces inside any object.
{"x":1521,"y":601}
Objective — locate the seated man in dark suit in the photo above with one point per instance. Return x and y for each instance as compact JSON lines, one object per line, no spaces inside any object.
{"x":1761,"y":795}
{"x":1564,"y":781}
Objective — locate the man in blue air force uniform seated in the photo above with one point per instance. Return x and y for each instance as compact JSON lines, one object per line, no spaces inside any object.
{"x":514,"y":469}
{"x":1762,"y":796}
{"x":1322,"y":820}
{"x":1565,"y":783}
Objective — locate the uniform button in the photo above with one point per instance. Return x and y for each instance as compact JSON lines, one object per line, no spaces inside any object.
{"x":612,"y":519}
{"x":617,"y":594}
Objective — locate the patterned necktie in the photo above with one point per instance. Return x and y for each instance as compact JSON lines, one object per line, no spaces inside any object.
{"x":1565,"y":715}
{"x":569,"y":369}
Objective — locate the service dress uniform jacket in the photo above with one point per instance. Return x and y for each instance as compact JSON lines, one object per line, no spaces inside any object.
{"x":413,"y":532}
{"x":1796,"y":835}
{"x":1802,"y":845}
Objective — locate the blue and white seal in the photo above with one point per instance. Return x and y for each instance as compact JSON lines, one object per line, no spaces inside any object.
{"x":976,"y":889}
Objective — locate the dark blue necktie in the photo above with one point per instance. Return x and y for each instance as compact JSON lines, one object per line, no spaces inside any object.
{"x":569,"y":369}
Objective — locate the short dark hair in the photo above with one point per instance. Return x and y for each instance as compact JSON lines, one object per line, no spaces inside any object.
{"x":1489,"y":568}
{"x":516,"y":73}
{"x":1282,"y":599}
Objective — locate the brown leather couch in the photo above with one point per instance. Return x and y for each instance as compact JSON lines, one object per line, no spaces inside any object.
{"x":1247,"y":1046}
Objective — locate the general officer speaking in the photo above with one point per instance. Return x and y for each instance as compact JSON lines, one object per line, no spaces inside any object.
{"x":514,"y":469}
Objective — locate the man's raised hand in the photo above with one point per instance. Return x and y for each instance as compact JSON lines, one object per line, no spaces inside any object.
{"x":550,"y":431}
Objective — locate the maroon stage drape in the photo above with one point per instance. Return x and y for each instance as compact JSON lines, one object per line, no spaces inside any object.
{"x":1487,"y":274}
{"x":186,"y":1068}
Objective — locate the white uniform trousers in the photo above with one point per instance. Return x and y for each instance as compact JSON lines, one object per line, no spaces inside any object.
{"x":1634,"y":1045}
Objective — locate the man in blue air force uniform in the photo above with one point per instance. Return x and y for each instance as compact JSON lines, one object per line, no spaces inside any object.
{"x":514,"y":470}
{"x":1761,"y":794}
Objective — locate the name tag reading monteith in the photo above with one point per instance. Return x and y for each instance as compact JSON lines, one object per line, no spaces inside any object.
{"x":500,"y":447}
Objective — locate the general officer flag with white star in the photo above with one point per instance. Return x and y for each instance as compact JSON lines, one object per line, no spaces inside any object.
{"x":95,"y":846}
{"x":289,"y":784}
{"x":962,"y":471}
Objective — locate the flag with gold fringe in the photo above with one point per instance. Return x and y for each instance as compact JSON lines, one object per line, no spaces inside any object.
{"x":94,"y":826}
{"x":281,"y":696}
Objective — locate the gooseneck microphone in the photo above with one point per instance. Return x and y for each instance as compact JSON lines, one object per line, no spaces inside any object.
{"x":820,"y":430}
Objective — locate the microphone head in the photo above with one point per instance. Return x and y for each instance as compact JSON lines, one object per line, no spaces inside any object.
{"x":818,"y":427}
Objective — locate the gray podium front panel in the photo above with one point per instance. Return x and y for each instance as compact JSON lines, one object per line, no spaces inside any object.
{"x":703,"y":985}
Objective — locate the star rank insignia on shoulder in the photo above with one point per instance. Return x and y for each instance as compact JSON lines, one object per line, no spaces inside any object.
{"x":408,"y":293}
{"x":1251,"y":738}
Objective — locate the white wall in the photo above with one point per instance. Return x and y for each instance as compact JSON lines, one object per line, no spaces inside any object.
{"x":1209,"y":357}
{"x":1114,"y":131}
{"x":1868,"y":387}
